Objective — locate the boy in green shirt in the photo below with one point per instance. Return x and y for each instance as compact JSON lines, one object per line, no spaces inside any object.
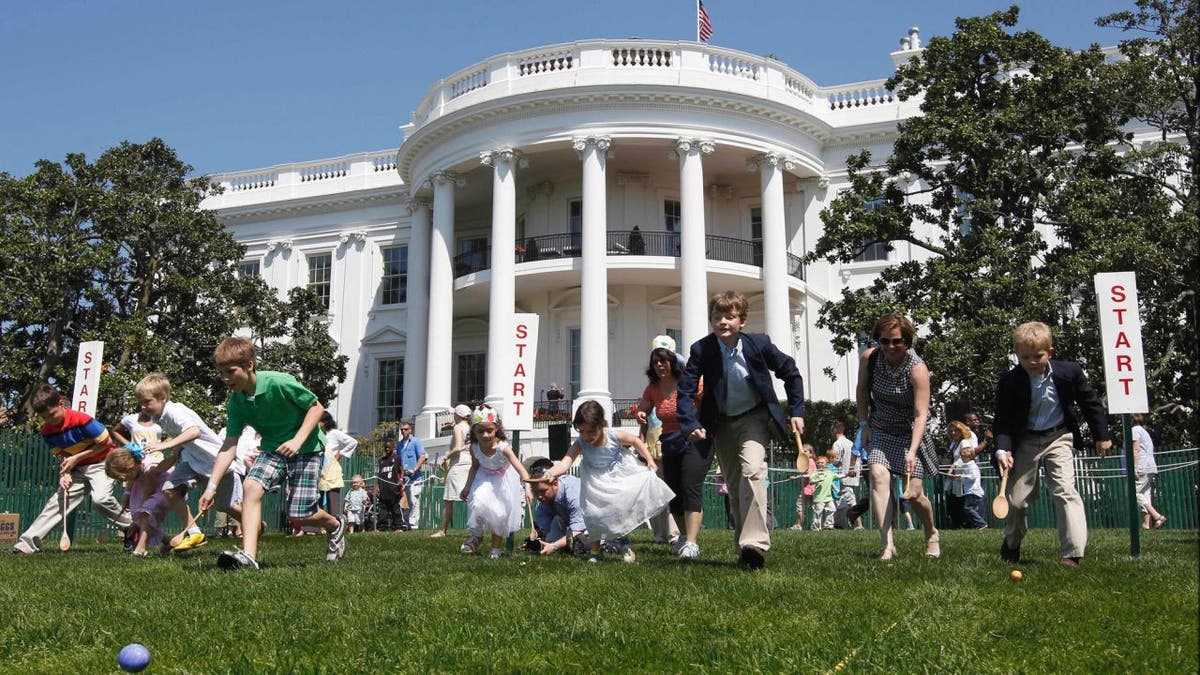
{"x":286,"y":414}
{"x":822,"y":500}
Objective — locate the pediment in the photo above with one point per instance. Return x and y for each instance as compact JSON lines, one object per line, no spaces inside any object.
{"x":385,"y":335}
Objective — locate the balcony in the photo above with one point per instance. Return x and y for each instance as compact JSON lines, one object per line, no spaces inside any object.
{"x":622,"y":243}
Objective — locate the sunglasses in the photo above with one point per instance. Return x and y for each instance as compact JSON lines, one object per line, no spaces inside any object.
{"x":888,"y":342}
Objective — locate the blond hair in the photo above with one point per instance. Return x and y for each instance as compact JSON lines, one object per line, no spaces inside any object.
{"x":234,"y":351}
{"x":961,"y":428}
{"x":1033,"y":334}
{"x":154,"y":384}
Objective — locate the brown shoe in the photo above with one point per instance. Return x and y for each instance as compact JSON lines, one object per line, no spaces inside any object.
{"x":1069,"y":563}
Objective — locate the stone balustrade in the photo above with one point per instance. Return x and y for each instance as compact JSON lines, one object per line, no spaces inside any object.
{"x":320,"y":177}
{"x":641,"y":62}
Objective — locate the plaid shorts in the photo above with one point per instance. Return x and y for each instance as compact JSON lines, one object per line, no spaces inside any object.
{"x":303,"y":472}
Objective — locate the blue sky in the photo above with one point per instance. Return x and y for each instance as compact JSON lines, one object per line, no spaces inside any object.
{"x":235,"y":85}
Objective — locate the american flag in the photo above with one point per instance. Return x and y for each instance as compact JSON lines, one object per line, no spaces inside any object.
{"x":703,"y":25}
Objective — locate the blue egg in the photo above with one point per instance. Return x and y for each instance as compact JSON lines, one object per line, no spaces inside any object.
{"x":133,"y":658}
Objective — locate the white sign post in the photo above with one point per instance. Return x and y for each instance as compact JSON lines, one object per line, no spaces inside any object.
{"x":87,"y":377}
{"x":519,"y":415}
{"x":1124,"y":370}
{"x":1121,"y":331}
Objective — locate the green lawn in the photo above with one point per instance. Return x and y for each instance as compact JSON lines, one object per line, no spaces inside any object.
{"x":405,"y":601}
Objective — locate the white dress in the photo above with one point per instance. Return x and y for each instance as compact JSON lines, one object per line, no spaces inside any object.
{"x":617,"y":492}
{"x":494,"y":504}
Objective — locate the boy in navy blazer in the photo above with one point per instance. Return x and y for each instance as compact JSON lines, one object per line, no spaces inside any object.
{"x":739,"y":412}
{"x":1036,"y":425}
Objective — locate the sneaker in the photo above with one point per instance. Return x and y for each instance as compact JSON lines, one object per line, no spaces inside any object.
{"x":596,"y":557}
{"x":231,"y":561}
{"x":1069,"y":563}
{"x":190,"y":542}
{"x":16,"y":551}
{"x":495,"y":554}
{"x":129,"y":538}
{"x":627,"y":554}
{"x":797,"y":526}
{"x":1012,"y":555}
{"x":751,"y":559}
{"x":336,"y":544}
{"x":677,"y":545}
{"x":689,"y":551}
{"x":471,"y":544}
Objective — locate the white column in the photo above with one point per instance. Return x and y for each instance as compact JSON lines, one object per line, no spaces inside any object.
{"x":593,"y":301}
{"x":693,"y":272}
{"x":439,"y":365}
{"x":776,"y":312}
{"x":417,"y":312}
{"x":502,"y":296}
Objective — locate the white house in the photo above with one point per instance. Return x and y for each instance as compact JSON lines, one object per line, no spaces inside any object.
{"x":609,"y":186}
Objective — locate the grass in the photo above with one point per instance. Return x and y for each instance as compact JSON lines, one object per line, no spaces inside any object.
{"x":403,"y":601}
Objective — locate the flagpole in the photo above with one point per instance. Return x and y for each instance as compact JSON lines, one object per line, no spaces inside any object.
{"x":697,"y":20}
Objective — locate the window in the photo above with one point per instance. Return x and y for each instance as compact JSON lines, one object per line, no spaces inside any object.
{"x":472,"y":377}
{"x":756,"y":234}
{"x":320,"y":275}
{"x":575,"y":222}
{"x":677,"y":335}
{"x":472,"y":255}
{"x":389,"y":404}
{"x":395,"y":275}
{"x":872,"y":249}
{"x":574,"y":366}
{"x":964,"y":210}
{"x":672,"y":214}
{"x":249,"y":268}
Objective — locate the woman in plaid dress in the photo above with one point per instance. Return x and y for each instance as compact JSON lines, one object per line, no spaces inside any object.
{"x":895,"y":382}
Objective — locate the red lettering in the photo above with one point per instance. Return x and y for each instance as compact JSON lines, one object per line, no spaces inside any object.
{"x":1117,"y":293}
{"x":87,"y":357}
{"x":522,"y":331}
{"x":1122,"y":340}
{"x":1124,"y":362}
{"x":520,"y":350}
{"x":520,"y":371}
{"x":83,"y":391}
{"x":87,"y":373}
{"x":1120,"y":312}
{"x":82,"y":406}
{"x":517,"y":407}
{"x":518,"y":388}
{"x":1125,"y":381}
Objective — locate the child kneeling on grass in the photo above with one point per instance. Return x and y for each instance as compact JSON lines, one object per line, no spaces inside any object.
{"x":286,"y":414}
{"x":493,"y":493}
{"x":617,"y":493}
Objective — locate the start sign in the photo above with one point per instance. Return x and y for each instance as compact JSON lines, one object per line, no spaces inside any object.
{"x":87,"y":377}
{"x":519,"y":415}
{"x":1121,"y":331}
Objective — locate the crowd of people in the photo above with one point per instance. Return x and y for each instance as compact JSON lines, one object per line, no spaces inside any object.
{"x":716,"y":404}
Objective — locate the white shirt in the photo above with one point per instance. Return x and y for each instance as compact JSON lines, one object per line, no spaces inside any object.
{"x":201,"y":453}
{"x":1145,"y":460}
{"x":845,"y":448}
{"x":340,"y":442}
{"x":967,"y":479}
{"x":247,"y":448}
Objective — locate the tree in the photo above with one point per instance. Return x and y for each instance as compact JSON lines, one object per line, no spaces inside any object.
{"x":121,"y":251}
{"x":1013,"y":186}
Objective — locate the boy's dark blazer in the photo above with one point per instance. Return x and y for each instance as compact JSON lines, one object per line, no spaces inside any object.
{"x":1013,"y":402}
{"x":763,"y":359}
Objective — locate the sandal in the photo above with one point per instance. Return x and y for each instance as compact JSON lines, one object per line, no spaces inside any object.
{"x":1159,"y":522}
{"x":933,"y":545}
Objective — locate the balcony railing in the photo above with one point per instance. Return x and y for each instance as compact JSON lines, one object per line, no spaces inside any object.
{"x":631,"y":242}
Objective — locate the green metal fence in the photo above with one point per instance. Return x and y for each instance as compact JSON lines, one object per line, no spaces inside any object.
{"x":28,"y":477}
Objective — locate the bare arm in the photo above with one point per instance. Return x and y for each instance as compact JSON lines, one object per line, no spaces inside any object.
{"x":290,"y":447}
{"x":225,"y":457}
{"x":564,"y":465}
{"x":919,"y":376}
{"x":639,"y":446}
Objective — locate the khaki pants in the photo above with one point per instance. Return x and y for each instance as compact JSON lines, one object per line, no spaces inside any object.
{"x":88,"y":478}
{"x":1056,"y":455}
{"x":740,"y":444}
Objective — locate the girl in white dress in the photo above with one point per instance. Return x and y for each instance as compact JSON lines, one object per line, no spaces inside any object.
{"x":616,"y":492}
{"x":493,"y":492}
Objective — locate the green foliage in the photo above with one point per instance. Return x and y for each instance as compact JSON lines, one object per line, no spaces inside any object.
{"x":819,"y":417}
{"x":119,"y":250}
{"x":1016,"y":185}
{"x":530,"y":613}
